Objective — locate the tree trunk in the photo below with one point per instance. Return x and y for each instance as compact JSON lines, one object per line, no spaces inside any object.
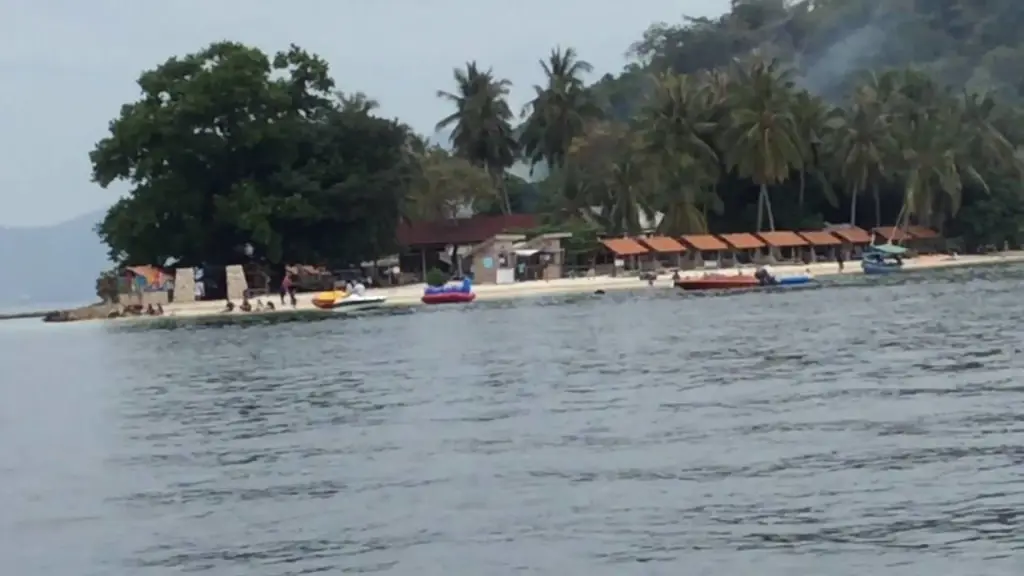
{"x":800,"y":196}
{"x":768,"y":207}
{"x":760,"y":208}
{"x":878,"y":204}
{"x":853,"y":206}
{"x":499,"y":185}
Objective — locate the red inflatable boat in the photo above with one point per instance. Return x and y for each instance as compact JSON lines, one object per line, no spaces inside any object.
{"x":718,"y":282}
{"x":448,"y":298}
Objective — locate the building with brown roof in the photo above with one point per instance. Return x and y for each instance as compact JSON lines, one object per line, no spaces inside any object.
{"x":784,"y":244}
{"x":701,"y":249}
{"x":745,"y":248}
{"x":821,"y":245}
{"x":487,"y":246}
{"x":665,"y":251}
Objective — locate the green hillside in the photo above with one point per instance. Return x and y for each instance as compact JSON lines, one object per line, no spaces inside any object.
{"x":977,"y":45}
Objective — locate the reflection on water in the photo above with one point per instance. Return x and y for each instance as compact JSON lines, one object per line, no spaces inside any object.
{"x":839,"y":431}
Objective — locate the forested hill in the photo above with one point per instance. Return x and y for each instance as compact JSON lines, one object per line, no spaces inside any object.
{"x":975,"y":44}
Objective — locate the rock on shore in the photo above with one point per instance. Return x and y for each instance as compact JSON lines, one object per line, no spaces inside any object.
{"x":92,"y":312}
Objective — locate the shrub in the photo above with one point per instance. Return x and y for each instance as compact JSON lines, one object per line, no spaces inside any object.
{"x":436,"y":278}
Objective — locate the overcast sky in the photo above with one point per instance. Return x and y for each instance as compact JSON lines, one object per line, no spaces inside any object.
{"x":68,"y":65}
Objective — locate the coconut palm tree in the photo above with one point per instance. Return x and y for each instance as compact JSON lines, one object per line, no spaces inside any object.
{"x":481,"y":126}
{"x":814,"y":122}
{"x":559,"y":110}
{"x":675,"y":136}
{"x":865,"y":148}
{"x":762,"y":141}
{"x":356,"y":102}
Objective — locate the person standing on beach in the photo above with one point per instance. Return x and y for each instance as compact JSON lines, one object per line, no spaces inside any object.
{"x":291,"y":292}
{"x":839,"y":257}
{"x":286,"y":287}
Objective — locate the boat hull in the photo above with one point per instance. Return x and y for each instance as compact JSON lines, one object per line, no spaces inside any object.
{"x":877,"y":268}
{"x":348,"y":303}
{"x":448,"y":298}
{"x":718,"y":283}
{"x":739,"y":283}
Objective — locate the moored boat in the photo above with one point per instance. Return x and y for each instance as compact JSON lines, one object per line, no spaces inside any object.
{"x":882,"y":259}
{"x":717,"y":282}
{"x":341,"y":300}
{"x":763,"y":279}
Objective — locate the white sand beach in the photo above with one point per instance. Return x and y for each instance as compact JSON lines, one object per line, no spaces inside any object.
{"x":410,"y":295}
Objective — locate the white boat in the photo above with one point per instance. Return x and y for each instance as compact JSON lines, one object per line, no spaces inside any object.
{"x":341,"y":301}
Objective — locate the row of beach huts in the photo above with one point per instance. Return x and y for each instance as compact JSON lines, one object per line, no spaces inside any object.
{"x":689,"y":251}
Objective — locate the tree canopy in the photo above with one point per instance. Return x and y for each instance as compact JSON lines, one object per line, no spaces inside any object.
{"x":231,"y":153}
{"x":774,"y":115}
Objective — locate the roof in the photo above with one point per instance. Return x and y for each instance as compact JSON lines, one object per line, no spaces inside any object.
{"x":662,"y":244}
{"x":891,"y":233}
{"x":461,"y":230}
{"x":306,"y":269}
{"x":851,"y":234}
{"x":890,"y":249}
{"x":922,"y":233}
{"x":153,"y":275}
{"x":704,"y":242}
{"x":820,"y":238}
{"x":742,"y":241}
{"x":782,"y":239}
{"x":624,"y":246}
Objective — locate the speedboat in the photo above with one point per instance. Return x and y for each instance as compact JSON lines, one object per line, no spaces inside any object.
{"x":764,"y":278}
{"x":340,"y":300}
{"x":718,"y":282}
{"x":882,"y":259}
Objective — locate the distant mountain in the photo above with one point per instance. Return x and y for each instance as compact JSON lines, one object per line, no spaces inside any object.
{"x":51,"y":265}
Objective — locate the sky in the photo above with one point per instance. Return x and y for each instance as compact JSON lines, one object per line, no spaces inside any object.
{"x":68,"y":65}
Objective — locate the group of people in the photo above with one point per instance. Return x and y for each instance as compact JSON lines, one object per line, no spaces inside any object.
{"x":287,"y":291}
{"x":247,"y":306}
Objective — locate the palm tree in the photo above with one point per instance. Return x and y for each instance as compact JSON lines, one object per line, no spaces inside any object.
{"x":481,"y":124}
{"x":559,"y":110}
{"x":814,"y":122}
{"x":606,"y":171}
{"x":357,"y":102}
{"x":675,"y":135}
{"x":865,"y":147}
{"x":762,"y":140}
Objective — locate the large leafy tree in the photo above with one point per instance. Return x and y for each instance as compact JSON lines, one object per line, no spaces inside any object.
{"x":481,"y":125}
{"x":229,"y":149}
{"x":446,"y":185}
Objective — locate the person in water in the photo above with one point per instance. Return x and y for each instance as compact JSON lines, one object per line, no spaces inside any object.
{"x":764,"y":276}
{"x":246,"y":305}
{"x":270,"y":306}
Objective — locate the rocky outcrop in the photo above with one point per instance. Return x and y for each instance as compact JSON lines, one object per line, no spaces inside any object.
{"x":93,"y":312}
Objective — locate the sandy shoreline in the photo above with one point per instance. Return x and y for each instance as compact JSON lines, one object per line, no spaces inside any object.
{"x":410,"y":295}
